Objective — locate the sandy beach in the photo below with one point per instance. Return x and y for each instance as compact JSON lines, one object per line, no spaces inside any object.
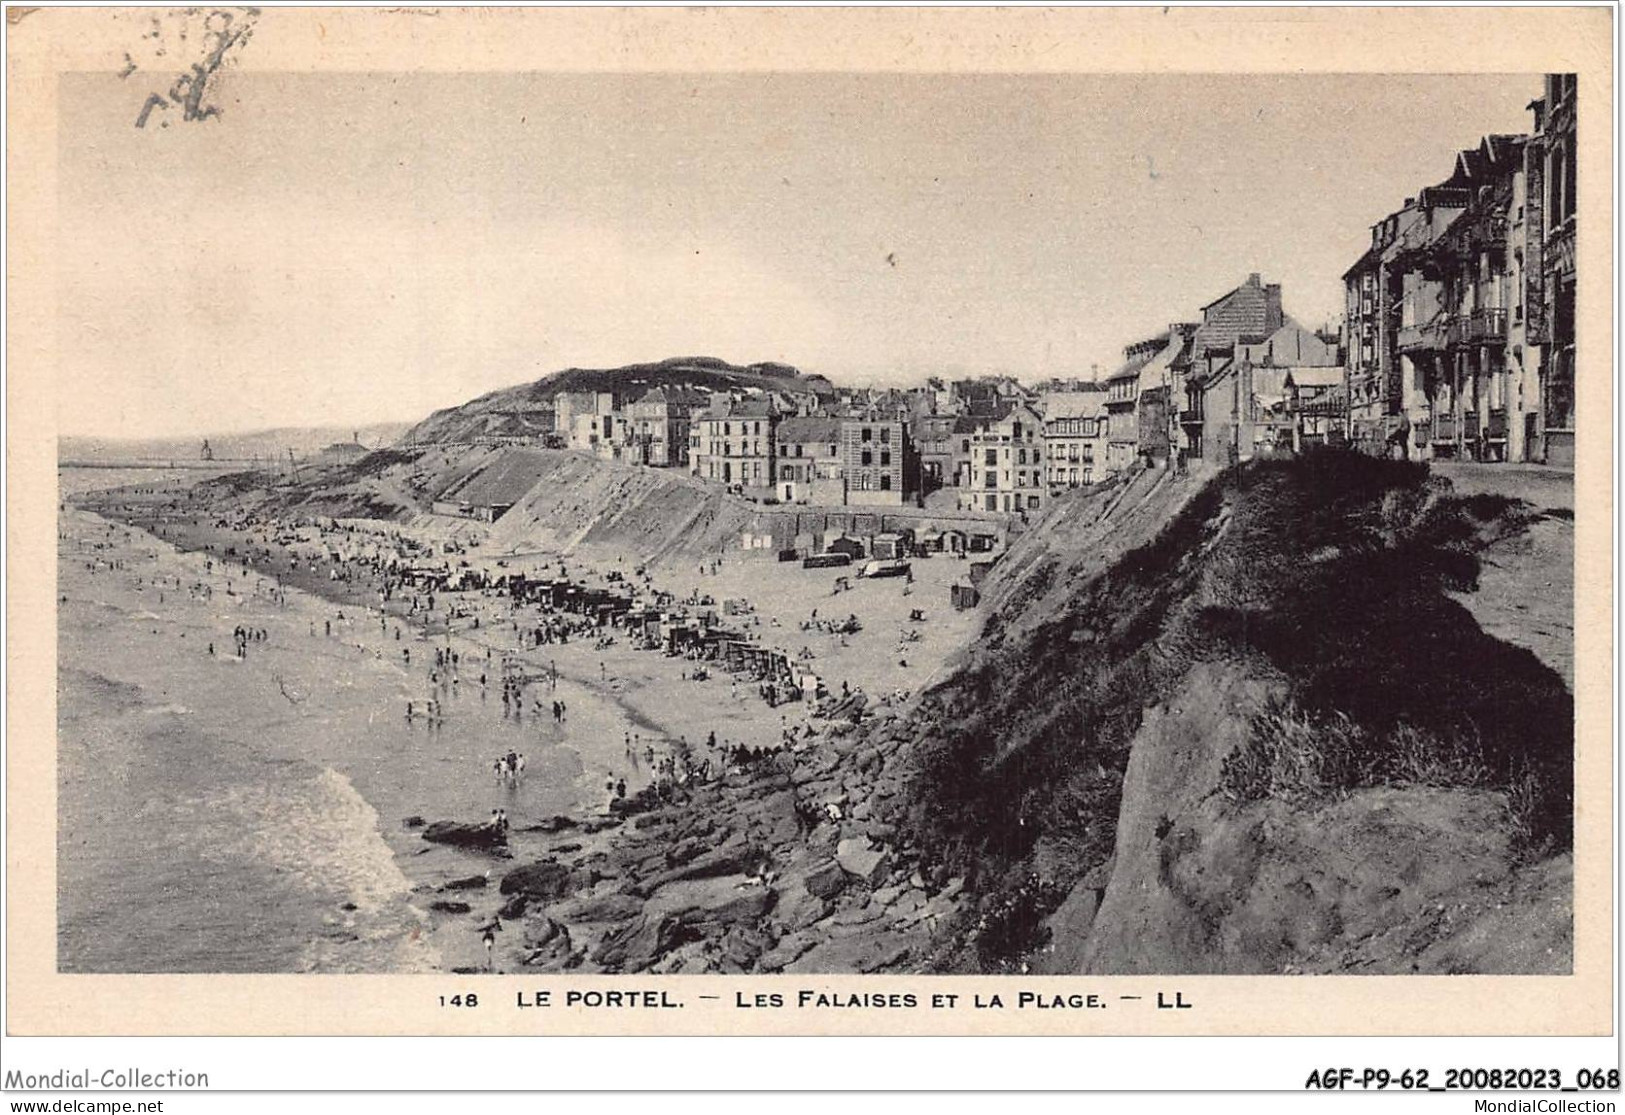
{"x":333,"y":645}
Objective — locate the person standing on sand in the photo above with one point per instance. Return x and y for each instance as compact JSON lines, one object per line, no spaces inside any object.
{"x":488,"y":935}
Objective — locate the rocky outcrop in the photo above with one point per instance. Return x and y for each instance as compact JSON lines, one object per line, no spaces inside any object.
{"x":482,"y":836}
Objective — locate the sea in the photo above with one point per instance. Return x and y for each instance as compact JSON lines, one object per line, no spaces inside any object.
{"x":225,"y":814}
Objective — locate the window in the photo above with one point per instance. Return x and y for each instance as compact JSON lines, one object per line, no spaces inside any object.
{"x":992,"y":503}
{"x":867,"y":457}
{"x":992,"y":457}
{"x":1021,"y":456}
{"x":885,"y":458}
{"x":964,"y":445}
{"x":885,"y":436}
{"x":885,"y":482}
{"x":868,"y":434}
{"x":1032,"y":503}
{"x":990,"y":479}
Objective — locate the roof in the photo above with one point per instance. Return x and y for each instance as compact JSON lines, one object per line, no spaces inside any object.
{"x":1073,"y":404}
{"x":752,"y":408}
{"x":1130,"y":370}
{"x":1023,"y":405}
{"x":675,"y":396}
{"x":810,"y":428}
{"x":1366,"y":260}
{"x":723,"y":407}
{"x":1315,"y":376}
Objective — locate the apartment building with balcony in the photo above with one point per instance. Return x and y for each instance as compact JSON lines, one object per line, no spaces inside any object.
{"x":1460,"y":335}
{"x":1553,"y":196}
{"x":656,"y":429}
{"x":732,"y":444}
{"x":1379,"y":302}
{"x":1007,"y":468}
{"x":1122,"y":403}
{"x":1473,"y":397}
{"x":1074,"y":438}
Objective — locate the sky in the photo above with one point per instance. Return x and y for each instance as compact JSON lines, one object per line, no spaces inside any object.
{"x":353,"y":248}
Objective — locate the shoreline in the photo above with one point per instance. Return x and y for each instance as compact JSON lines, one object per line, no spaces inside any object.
{"x":797,"y":826}
{"x":532,"y":838}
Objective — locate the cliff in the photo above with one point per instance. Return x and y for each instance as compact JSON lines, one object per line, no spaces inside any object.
{"x":1250,"y":729}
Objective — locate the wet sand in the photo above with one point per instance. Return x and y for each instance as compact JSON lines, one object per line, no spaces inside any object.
{"x":611,"y":692}
{"x":298,"y":700}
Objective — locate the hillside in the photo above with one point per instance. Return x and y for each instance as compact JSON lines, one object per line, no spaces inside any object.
{"x":1264,"y":738}
{"x":1213,"y":723}
{"x":526,"y":410}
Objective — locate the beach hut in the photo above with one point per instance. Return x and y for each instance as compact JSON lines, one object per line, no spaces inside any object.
{"x":847,"y":545}
{"x":889,"y":546}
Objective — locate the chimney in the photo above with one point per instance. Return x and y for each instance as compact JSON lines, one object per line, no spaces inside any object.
{"x":1254,"y":279}
{"x":1272,"y":307}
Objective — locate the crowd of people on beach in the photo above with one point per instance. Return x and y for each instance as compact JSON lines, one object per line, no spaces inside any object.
{"x":375,"y":569}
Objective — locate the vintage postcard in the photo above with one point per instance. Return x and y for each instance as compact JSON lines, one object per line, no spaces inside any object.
{"x":810,"y":522}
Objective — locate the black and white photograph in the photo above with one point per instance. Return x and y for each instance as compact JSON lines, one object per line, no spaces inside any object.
{"x":609,"y":525}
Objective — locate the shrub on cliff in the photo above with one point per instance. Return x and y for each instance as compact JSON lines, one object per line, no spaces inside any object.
{"x":1329,"y":574}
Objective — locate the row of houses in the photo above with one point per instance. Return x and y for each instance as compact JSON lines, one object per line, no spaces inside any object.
{"x":1461,"y":312}
{"x":1245,"y":380}
{"x":1458,"y":341}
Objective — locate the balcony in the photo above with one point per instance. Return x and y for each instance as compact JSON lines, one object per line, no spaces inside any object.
{"x":1191,"y":417}
{"x":1444,"y":427}
{"x":1327,"y":407}
{"x":1488,"y":324}
{"x":1493,"y":232}
{"x":1420,"y":338}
